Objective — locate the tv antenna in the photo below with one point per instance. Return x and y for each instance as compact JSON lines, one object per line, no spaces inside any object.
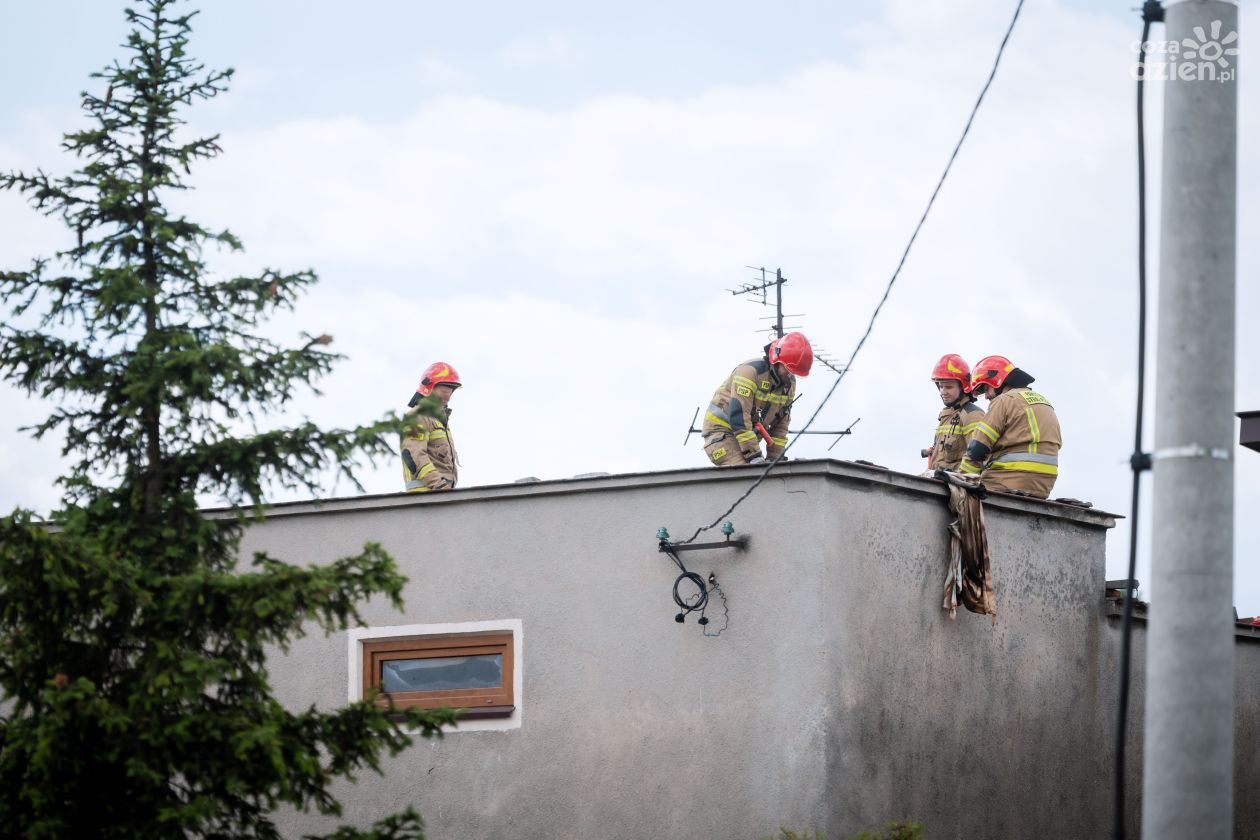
{"x":692,"y":430}
{"x":760,"y":286}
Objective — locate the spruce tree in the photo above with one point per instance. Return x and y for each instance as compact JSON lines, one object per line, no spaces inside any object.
{"x":134,"y":696}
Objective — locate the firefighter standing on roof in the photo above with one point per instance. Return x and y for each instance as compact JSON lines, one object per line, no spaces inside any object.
{"x":959,"y":418}
{"x":1016,"y":446}
{"x":428,"y":450}
{"x":754,"y":403}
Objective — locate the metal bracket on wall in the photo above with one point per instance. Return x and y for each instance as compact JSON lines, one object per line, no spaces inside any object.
{"x":667,"y":547}
{"x":737,"y":542}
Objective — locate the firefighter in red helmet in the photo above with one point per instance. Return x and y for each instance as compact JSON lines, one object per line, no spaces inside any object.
{"x":1016,"y":446}
{"x":428,"y":450}
{"x":958,"y":419}
{"x":754,"y":403}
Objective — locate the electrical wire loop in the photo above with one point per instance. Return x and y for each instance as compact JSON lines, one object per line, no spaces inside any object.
{"x":695,"y":602}
{"x":726,"y":611}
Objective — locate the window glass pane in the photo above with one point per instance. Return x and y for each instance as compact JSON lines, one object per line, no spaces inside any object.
{"x":442,"y":673}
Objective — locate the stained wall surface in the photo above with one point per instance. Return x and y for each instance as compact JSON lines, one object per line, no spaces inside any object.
{"x":836,"y":697}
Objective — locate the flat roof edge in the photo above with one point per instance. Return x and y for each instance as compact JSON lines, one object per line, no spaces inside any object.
{"x":933,"y":486}
{"x":842,"y":471}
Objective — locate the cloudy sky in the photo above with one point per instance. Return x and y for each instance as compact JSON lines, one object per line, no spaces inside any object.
{"x":554,"y":197}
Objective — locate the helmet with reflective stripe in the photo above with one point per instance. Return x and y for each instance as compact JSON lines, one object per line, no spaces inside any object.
{"x":991,"y":370}
{"x":793,"y":352}
{"x":437,"y":373}
{"x":952,"y":366}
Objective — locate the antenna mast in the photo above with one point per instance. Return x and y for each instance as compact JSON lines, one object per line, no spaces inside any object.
{"x":755,"y":288}
{"x":760,"y":287}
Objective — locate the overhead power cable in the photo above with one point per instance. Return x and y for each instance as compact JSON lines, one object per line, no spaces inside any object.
{"x":840,"y":374}
{"x":1152,"y":12}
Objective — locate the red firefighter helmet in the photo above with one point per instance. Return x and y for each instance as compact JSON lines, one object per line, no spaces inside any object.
{"x":793,"y":352}
{"x":991,"y":370}
{"x":952,"y":366}
{"x":437,"y":374}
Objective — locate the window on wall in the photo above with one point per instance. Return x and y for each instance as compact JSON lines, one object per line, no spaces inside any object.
{"x":471,"y":671}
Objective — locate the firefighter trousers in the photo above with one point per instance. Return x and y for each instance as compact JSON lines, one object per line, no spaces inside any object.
{"x":1034,"y":484}
{"x":722,"y":449}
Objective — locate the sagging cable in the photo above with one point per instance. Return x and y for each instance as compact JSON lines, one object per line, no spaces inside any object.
{"x":887,"y":289}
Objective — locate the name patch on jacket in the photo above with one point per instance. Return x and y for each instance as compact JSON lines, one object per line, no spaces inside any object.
{"x":1033,"y":398}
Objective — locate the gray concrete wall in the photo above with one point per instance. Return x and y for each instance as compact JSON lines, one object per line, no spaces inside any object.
{"x":838,"y":697}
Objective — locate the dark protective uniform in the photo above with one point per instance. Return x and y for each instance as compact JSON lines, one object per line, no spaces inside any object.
{"x":754,"y":391}
{"x":1016,"y":445}
{"x":428,"y":450}
{"x":954,"y":426}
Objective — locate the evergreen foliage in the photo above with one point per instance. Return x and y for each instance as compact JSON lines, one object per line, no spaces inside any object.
{"x":134,"y":697}
{"x":897,"y":830}
{"x":792,"y":834}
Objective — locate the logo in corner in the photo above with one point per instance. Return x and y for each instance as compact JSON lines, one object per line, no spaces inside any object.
{"x":1208,"y":56}
{"x":1210,"y":49}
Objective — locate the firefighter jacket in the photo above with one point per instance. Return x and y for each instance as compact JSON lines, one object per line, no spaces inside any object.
{"x":753,"y":392}
{"x":954,"y":426}
{"x":1016,"y":445}
{"x":428,"y":450}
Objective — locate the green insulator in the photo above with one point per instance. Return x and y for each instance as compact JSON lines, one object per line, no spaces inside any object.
{"x":662,"y":534}
{"x":728,"y":528}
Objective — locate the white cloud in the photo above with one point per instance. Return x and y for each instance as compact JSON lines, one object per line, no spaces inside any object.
{"x":571,"y":262}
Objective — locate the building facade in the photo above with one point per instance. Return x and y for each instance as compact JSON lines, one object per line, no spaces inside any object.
{"x":828,"y":690}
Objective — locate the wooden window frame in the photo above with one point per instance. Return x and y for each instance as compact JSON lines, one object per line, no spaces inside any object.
{"x":476,"y":702}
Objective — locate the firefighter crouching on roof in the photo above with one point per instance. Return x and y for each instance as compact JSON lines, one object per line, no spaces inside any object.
{"x":757,"y":393}
{"x":428,"y":450}
{"x":1016,"y":445}
{"x":959,"y":418}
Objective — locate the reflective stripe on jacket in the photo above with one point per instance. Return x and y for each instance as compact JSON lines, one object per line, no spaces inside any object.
{"x":753,"y":390}
{"x":953,"y":427}
{"x":1020,"y":432}
{"x":428,"y":453}
{"x":1027,"y":462}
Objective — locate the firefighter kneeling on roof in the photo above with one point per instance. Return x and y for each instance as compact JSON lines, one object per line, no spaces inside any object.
{"x":1016,"y":446}
{"x":755,"y":402}
{"x":428,"y":451}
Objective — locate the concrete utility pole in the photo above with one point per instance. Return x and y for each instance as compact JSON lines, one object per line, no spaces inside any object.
{"x":1187,"y":788}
